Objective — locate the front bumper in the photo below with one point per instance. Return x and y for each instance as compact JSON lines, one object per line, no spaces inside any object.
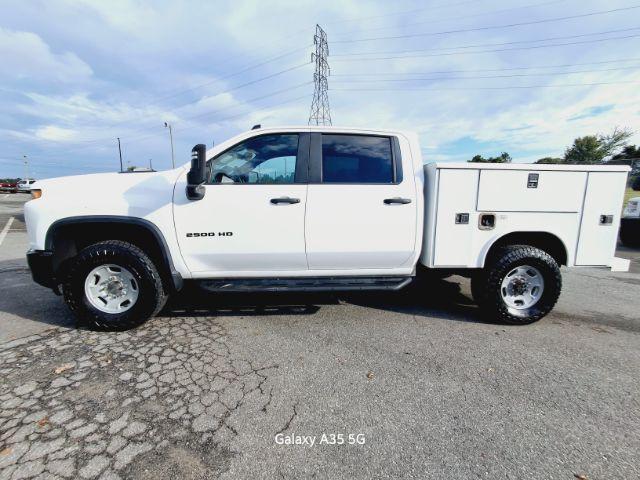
{"x":41,"y":266}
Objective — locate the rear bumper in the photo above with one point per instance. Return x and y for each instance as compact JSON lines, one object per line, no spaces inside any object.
{"x":41,"y":266}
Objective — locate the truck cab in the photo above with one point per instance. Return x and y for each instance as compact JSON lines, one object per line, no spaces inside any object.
{"x":320,"y":208}
{"x":304,"y":203}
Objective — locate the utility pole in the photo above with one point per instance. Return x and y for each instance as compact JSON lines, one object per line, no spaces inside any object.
{"x":120,"y":152}
{"x":320,"y":112}
{"x":26,"y":166}
{"x":173,"y":158}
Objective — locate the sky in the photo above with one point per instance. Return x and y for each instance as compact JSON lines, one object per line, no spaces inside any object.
{"x":471,"y":77}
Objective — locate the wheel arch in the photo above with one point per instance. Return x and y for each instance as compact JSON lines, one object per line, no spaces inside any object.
{"x":67,"y":236}
{"x":548,"y":242}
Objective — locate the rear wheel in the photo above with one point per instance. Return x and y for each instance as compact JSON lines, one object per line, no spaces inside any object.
{"x":520,"y":285}
{"x":113,"y":285}
{"x":629,"y":236}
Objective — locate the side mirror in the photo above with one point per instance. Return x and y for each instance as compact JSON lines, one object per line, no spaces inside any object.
{"x":197,"y":174}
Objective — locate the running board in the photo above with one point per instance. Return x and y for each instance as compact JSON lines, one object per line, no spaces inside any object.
{"x":304,"y":284}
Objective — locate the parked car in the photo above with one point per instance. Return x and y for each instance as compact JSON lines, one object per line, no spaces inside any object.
{"x":24,"y":186}
{"x":8,"y":187}
{"x":630,"y":223}
{"x":321,"y":208}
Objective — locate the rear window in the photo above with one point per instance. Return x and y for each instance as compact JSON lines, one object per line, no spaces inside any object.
{"x":356,"y":159}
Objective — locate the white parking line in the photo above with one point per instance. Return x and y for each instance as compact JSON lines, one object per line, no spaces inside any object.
{"x":5,"y":230}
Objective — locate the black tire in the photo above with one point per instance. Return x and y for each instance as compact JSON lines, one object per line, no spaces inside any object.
{"x":630,"y":237}
{"x":486,"y":285}
{"x":151,"y":296}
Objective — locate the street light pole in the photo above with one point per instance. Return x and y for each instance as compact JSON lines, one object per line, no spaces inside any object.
{"x":120,"y":152}
{"x":173,"y":158}
{"x":26,"y":166}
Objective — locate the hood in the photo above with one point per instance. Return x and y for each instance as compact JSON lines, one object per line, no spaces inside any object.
{"x":112,"y":178}
{"x":135,"y":193}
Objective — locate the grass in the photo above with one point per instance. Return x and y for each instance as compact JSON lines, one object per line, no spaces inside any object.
{"x":628,"y":193}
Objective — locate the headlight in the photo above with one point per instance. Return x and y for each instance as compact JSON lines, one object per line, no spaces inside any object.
{"x":36,"y":194}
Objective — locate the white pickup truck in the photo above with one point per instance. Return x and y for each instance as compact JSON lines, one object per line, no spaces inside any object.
{"x":320,"y":208}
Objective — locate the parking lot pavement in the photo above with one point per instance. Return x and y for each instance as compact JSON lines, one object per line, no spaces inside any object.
{"x":205,"y":389}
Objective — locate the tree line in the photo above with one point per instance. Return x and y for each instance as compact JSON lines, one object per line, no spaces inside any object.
{"x":589,"y":150}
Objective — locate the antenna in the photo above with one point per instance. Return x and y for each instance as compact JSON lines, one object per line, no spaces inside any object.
{"x":320,"y":112}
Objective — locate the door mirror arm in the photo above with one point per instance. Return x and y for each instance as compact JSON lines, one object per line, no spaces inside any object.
{"x":197,"y":174}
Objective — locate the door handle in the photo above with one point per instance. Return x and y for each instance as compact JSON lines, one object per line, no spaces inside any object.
{"x":401,"y":201}
{"x":287,"y":200}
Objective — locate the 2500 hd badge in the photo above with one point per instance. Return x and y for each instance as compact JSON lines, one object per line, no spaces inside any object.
{"x":209,"y":234}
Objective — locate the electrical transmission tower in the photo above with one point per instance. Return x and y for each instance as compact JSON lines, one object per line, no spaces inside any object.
{"x":320,"y":112}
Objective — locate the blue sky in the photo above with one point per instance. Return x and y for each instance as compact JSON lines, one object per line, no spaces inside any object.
{"x":471,"y":77}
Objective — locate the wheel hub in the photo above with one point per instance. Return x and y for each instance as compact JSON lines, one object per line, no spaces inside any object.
{"x":522,"y":287}
{"x":519,"y":285}
{"x":111,"y":288}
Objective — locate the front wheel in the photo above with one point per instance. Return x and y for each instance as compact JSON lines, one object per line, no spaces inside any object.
{"x":113,"y":285}
{"x":520,"y":285}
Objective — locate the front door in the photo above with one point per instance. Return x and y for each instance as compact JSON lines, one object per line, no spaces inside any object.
{"x":251,"y":219}
{"x":361,"y":210}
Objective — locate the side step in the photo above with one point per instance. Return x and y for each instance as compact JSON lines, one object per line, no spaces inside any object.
{"x":305,"y":284}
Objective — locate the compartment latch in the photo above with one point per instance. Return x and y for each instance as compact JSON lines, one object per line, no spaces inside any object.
{"x":606,"y":219}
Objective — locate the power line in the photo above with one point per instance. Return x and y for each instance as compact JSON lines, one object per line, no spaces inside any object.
{"x":237,"y":87}
{"x":493,"y":27}
{"x":530,"y":47}
{"x":212,"y":112}
{"x":508,"y":87}
{"x":130,"y":140}
{"x":480,"y":45}
{"x":406,"y":12}
{"x":492,"y":69}
{"x":320,"y":113}
{"x":234,"y":74}
{"x":81,"y":145}
{"x":516,"y":75}
{"x":459,"y":17}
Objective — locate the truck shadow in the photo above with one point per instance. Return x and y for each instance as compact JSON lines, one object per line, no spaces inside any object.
{"x":22,"y":299}
{"x":434,"y":298}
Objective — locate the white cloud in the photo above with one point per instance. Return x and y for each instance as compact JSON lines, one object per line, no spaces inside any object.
{"x":58,"y":134}
{"x":149,"y":62}
{"x":26,"y":57}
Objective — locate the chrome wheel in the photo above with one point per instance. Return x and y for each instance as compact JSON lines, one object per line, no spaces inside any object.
{"x":522,"y":287}
{"x":111,"y":288}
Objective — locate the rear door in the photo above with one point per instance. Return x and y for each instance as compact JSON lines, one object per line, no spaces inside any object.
{"x":361,"y":207}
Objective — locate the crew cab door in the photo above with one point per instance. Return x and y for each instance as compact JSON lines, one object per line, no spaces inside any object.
{"x":251,"y":219}
{"x":361,"y":207}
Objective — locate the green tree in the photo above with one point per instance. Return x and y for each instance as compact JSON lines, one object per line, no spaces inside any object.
{"x":550,"y":160}
{"x":594,"y":149}
{"x":629,"y":151}
{"x":504,"y":157}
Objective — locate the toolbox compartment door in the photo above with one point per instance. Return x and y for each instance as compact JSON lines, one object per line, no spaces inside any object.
{"x":456,"y":219}
{"x":600,"y":218}
{"x":530,"y":191}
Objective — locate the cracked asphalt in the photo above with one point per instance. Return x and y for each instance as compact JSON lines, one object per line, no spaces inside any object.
{"x":202,"y":390}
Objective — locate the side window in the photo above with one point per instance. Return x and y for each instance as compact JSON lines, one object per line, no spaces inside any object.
{"x":266,"y":159}
{"x":356,"y":159}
